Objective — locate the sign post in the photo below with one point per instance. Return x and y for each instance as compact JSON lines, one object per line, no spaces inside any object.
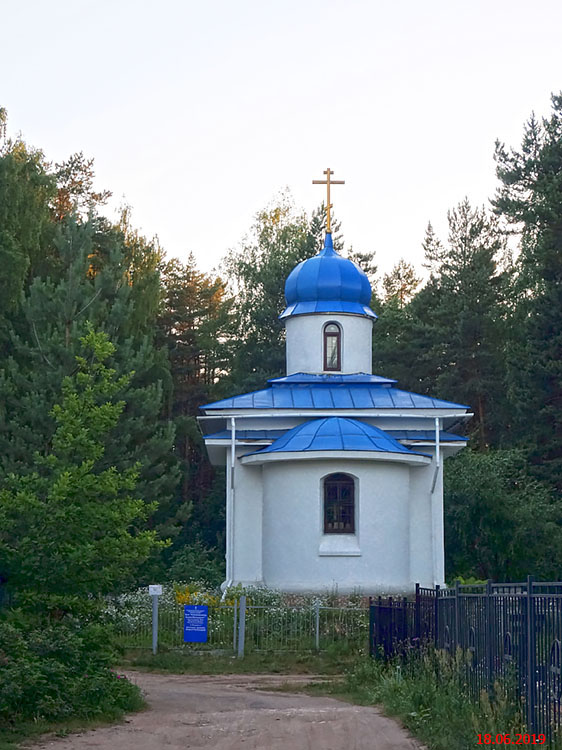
{"x":195,"y":623}
{"x":242,"y":627}
{"x":155,"y":591}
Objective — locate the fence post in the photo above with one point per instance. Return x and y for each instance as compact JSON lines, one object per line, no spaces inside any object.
{"x":317,"y":625}
{"x":437,"y":589}
{"x":371,"y":627}
{"x":531,"y":657}
{"x":489,"y":636}
{"x":242,"y":627}
{"x":417,"y":614}
{"x":457,"y":614}
{"x":154,"y":624}
{"x":235,"y":628}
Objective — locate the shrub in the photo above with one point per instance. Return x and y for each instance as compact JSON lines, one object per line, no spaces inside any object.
{"x":197,"y":562}
{"x":59,"y":670}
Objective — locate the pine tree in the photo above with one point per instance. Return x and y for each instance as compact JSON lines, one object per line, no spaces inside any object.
{"x":92,"y":285}
{"x":75,"y":188}
{"x":434,"y":251}
{"x":468,"y":319}
{"x":192,"y":324}
{"x":401,"y":283}
{"x":448,"y":341}
{"x":530,"y":200}
{"x":396,"y":345}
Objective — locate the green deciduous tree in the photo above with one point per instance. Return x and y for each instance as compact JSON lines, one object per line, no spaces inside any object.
{"x":256,"y":274}
{"x":66,"y":528}
{"x":279,"y":240}
{"x":26,"y":187}
{"x":500,"y":522}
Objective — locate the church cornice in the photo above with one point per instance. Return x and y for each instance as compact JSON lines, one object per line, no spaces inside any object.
{"x":380,"y":456}
{"x":318,"y":413}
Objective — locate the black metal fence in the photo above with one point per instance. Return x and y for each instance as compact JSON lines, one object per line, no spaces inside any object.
{"x":510,"y":631}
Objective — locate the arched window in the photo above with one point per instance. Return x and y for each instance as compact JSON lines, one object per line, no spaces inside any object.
{"x":332,"y":347}
{"x":339,"y":504}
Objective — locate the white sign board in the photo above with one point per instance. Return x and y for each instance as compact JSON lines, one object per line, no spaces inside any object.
{"x":155,"y":590}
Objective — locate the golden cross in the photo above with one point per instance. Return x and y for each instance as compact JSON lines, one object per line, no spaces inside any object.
{"x":328,"y":172}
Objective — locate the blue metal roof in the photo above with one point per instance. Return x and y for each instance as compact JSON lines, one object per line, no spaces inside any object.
{"x":327,"y":283}
{"x":308,"y":377}
{"x":332,"y":396}
{"x":335,"y":434}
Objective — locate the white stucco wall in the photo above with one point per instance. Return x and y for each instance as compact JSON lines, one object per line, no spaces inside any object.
{"x":248,"y":522}
{"x":297,"y":556}
{"x":279,"y":540}
{"x":305,"y":341}
{"x":426,"y":526}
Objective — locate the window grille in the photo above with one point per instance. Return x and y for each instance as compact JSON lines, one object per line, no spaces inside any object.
{"x":339,"y":504}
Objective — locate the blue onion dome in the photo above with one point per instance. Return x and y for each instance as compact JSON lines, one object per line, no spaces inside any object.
{"x":327,"y":283}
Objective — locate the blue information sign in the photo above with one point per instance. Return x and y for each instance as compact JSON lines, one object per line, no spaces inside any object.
{"x":195,"y":623}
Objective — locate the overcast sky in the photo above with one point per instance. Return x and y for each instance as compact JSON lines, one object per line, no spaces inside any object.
{"x":198,"y":113}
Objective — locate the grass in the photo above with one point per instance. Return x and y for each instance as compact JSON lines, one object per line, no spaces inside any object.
{"x":427,"y":696}
{"x":331,"y":662}
{"x":12,"y":737}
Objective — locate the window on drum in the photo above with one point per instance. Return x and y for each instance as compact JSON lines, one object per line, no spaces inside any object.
{"x":332,"y":347}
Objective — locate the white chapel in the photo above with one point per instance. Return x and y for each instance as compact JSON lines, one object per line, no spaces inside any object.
{"x":334,"y":474}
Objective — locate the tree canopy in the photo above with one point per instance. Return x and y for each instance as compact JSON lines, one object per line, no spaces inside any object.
{"x":475,"y":326}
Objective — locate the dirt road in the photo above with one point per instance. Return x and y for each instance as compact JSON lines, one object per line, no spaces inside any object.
{"x":239,"y":712}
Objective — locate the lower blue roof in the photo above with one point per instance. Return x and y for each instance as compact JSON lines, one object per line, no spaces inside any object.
{"x":336,"y":434}
{"x":343,"y":393}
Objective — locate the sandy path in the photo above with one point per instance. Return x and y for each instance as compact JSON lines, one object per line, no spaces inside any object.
{"x":234,"y":712}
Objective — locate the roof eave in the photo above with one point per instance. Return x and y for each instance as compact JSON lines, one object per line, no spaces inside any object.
{"x":412,"y":459}
{"x":422,"y":412}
